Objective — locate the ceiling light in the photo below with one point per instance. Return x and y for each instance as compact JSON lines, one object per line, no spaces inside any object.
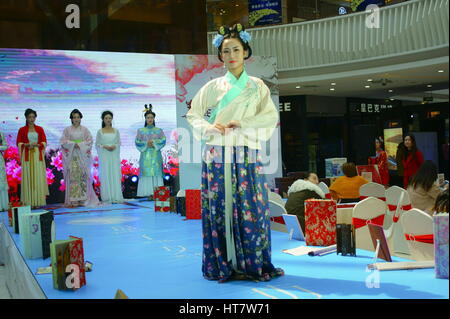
{"x":429,"y":85}
{"x":390,"y":91}
{"x":441,"y":71}
{"x":367,"y":86}
{"x":298,"y":86}
{"x":369,"y":80}
{"x":333,"y":83}
{"x":331,"y":89}
{"x":392,"y":99}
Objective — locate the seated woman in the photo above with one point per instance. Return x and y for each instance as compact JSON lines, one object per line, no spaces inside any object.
{"x":345,"y":189}
{"x":300,"y":191}
{"x":422,"y":188}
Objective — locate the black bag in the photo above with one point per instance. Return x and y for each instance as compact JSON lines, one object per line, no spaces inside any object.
{"x":345,"y":237}
{"x":181,"y":206}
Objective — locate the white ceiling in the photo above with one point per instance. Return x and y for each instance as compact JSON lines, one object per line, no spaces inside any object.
{"x":406,"y":84}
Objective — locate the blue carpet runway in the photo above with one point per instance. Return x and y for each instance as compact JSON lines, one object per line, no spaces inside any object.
{"x":158,"y":256}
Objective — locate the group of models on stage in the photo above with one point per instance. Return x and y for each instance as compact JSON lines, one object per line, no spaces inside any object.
{"x":76,"y":148}
{"x":235,"y":208}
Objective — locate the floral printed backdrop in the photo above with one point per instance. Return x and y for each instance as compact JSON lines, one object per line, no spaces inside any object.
{"x":55,"y":82}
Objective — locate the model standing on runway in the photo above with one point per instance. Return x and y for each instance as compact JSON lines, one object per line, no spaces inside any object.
{"x":108,"y":149}
{"x":235,"y":211}
{"x":31,"y":141}
{"x":149,"y":142}
{"x":4,"y":199}
{"x":76,"y":143}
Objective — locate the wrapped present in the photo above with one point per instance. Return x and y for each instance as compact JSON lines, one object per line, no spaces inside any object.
{"x":37,"y":231}
{"x":440,"y":227}
{"x":193,"y":204}
{"x":162,"y":199}
{"x":345,"y":238}
{"x":68,"y":267}
{"x":320,"y":222}
{"x":16,"y":213}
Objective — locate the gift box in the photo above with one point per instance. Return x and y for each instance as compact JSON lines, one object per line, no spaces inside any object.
{"x":161,"y":197}
{"x":193,"y":204}
{"x":16,"y":213}
{"x":68,"y":268}
{"x":440,"y":227}
{"x":320,"y":222}
{"x":37,"y":231}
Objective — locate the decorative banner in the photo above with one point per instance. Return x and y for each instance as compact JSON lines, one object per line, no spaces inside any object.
{"x":264,"y":12}
{"x":392,"y":137}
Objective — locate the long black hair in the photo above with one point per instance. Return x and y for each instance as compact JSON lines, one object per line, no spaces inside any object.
{"x":413,"y":147}
{"x":425,"y":177}
{"x":103,"y":117}
{"x":149,"y":111}
{"x":380,"y":140}
{"x":233,"y":33}
{"x":28,"y":112}
{"x":75,"y":111}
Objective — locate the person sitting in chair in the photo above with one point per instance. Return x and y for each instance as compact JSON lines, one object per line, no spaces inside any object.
{"x":300,"y":191}
{"x":345,"y":189}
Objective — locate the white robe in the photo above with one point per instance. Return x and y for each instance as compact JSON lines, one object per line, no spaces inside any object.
{"x":110,"y":173}
{"x":253,"y":108}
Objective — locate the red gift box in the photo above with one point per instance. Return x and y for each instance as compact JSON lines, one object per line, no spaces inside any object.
{"x":320,"y":222}
{"x":193,"y":204}
{"x":161,"y":196}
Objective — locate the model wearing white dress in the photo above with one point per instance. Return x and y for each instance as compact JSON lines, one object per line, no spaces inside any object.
{"x":4,"y":200}
{"x":110,"y":173}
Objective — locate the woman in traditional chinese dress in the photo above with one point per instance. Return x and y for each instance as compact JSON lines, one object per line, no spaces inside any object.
{"x":31,"y":141}
{"x":108,"y":149}
{"x":149,"y":142}
{"x":76,"y":143}
{"x":235,"y":211}
{"x":381,"y":160}
{"x":4,"y":200}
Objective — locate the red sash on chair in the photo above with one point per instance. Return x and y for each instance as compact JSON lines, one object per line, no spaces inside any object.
{"x":426,"y":239}
{"x":393,"y":208}
{"x":328,"y":196}
{"x":358,"y":222}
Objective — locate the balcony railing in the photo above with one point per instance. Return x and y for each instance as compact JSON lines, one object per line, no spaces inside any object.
{"x":413,"y":26}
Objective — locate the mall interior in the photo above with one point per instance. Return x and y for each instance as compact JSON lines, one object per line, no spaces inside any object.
{"x":347,"y":72}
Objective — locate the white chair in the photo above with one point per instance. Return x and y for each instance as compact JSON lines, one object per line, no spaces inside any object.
{"x":372,"y":190}
{"x":398,"y":202}
{"x":370,"y":210}
{"x":416,"y":224}
{"x":277,"y":210}
{"x":274,"y":197}
{"x":325,"y":190}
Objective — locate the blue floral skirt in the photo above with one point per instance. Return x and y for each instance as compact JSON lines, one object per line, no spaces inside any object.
{"x":250,"y":217}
